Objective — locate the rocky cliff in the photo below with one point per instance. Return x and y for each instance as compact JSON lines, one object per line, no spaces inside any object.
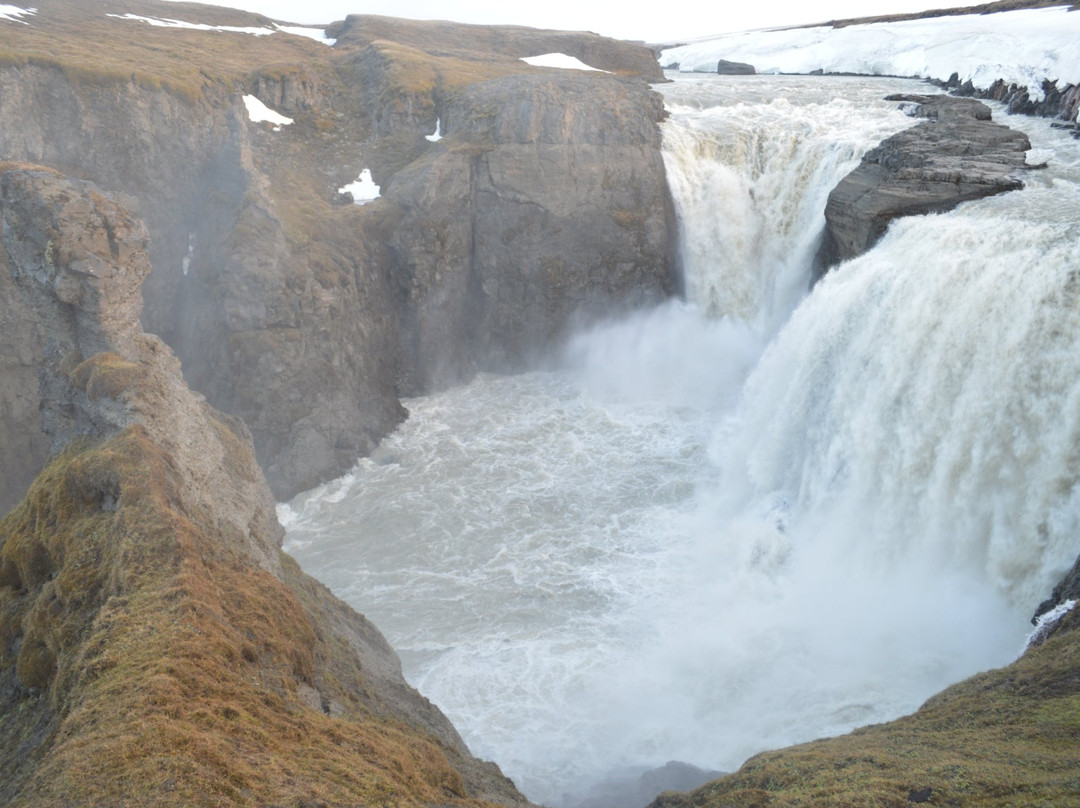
{"x":156,"y":647}
{"x":304,"y":315}
{"x":958,"y":154}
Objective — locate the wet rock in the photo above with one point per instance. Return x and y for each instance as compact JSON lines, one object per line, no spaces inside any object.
{"x":639,"y":787}
{"x":726,"y":68}
{"x":956,"y":156}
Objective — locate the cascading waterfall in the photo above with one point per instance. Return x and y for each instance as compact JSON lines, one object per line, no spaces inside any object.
{"x":750,"y":181}
{"x":685,"y":545}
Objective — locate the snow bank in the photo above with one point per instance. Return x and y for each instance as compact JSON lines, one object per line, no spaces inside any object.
{"x":12,"y":13}
{"x":1022,"y":47}
{"x":364,"y":189}
{"x":318,"y":34}
{"x":559,"y":60}
{"x":258,"y":111}
{"x":195,"y":26}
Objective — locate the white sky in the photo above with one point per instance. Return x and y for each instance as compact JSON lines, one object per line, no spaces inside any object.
{"x":650,"y":21}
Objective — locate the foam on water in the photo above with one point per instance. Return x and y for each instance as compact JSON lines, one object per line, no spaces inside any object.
{"x":683,"y":544}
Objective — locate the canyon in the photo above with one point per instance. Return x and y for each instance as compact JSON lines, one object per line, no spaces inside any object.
{"x":156,"y":645}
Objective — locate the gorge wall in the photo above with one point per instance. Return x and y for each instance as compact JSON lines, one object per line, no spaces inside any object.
{"x":156,"y":647}
{"x":304,"y":315}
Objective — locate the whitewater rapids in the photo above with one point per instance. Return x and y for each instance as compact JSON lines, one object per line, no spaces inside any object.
{"x":752,"y":518}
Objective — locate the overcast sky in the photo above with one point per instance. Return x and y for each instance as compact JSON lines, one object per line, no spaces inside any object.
{"x":652,"y":21}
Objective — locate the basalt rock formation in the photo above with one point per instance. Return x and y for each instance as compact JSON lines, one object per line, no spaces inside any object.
{"x":306,"y":316}
{"x":156,"y":647}
{"x":958,"y":154}
{"x":1056,"y":102}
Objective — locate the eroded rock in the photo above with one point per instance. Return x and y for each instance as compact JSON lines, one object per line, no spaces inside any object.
{"x":156,"y":647}
{"x":957,"y":155}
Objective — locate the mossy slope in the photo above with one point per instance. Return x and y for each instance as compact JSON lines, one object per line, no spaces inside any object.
{"x":142,"y":662}
{"x":1008,"y":737}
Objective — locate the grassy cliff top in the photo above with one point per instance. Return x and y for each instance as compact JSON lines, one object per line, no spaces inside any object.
{"x":98,"y":43}
{"x":143,"y":662}
{"x":87,"y":43}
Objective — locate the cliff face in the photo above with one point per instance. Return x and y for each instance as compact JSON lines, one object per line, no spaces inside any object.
{"x":156,"y":648}
{"x":307,"y":317}
{"x":958,"y":154}
{"x":532,"y":210}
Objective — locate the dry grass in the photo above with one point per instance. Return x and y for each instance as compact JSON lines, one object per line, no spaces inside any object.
{"x":93,"y":49}
{"x":157,"y":668}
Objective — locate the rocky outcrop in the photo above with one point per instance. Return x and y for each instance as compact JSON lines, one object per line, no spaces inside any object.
{"x":1055,"y":102}
{"x":509,"y":41}
{"x":527,"y":215}
{"x":726,"y":68}
{"x":307,"y":318}
{"x":156,"y":647}
{"x":957,"y":155}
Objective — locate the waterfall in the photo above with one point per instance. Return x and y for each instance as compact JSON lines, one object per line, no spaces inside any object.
{"x":740,"y":521}
{"x":929,"y":391}
{"x":750,"y":178}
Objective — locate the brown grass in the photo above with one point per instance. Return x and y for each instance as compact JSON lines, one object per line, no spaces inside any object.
{"x":93,"y":49}
{"x":166,"y":670}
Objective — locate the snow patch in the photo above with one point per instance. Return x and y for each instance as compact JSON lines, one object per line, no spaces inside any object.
{"x":363,"y":190}
{"x":12,"y":13}
{"x":318,"y":34}
{"x":258,"y":111}
{"x":1022,"y":47}
{"x":194,"y":26}
{"x":560,"y":60}
{"x":437,"y":136}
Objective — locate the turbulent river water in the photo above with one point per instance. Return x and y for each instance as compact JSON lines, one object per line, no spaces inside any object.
{"x":754,"y":517}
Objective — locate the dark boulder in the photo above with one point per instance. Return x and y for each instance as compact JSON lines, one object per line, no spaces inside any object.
{"x":957,"y":155}
{"x":726,"y":68}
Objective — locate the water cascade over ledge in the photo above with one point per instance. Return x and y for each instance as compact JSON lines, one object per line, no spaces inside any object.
{"x":741,"y":521}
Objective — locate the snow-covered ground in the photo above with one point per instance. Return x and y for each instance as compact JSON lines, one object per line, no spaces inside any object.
{"x":561,"y":60}
{"x":318,"y":34}
{"x":1022,"y":47}
{"x":258,"y":111}
{"x":194,"y":26}
{"x":12,"y":13}
{"x":364,"y":189}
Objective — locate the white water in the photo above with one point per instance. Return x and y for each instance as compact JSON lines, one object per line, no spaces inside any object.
{"x":676,"y":547}
{"x":750,"y":178}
